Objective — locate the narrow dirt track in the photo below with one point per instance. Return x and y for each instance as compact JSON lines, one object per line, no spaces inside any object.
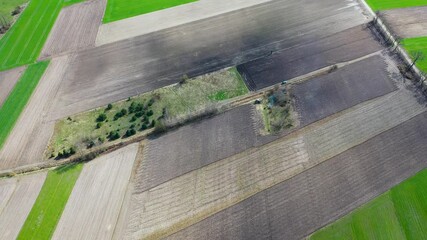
{"x":297,"y":207}
{"x":29,"y":137}
{"x":22,"y":192}
{"x":75,"y":29}
{"x":8,"y":79}
{"x":118,"y":70}
{"x":191,"y":197}
{"x":406,"y":22}
{"x":96,"y":200}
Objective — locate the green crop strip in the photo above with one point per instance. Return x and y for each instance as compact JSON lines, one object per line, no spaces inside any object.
{"x":414,"y":46}
{"x":23,"y":43}
{"x":400,"y":213}
{"x":48,"y":208}
{"x":19,"y":97}
{"x":391,"y":4}
{"x":121,"y":9}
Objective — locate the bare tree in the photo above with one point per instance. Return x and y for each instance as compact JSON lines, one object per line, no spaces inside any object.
{"x":416,"y":56}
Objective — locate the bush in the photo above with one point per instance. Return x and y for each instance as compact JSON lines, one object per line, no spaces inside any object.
{"x":153,"y":123}
{"x":143,"y":127}
{"x":150,"y":113}
{"x":109,"y":107}
{"x":124,"y":112}
{"x":72,"y":151}
{"x":16,"y":11}
{"x":133,"y":119}
{"x":98,"y":125}
{"x":151,"y":102}
{"x":139,"y":114}
{"x":132,"y":107}
{"x":130,"y":132}
{"x":139,"y":107}
{"x":90,"y":144}
{"x":101,"y":117}
{"x":113,"y":135}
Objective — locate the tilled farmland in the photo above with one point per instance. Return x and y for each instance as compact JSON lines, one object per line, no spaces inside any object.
{"x":406,"y":22}
{"x":98,"y":195}
{"x":17,"y":198}
{"x":8,"y":80}
{"x":75,"y":29}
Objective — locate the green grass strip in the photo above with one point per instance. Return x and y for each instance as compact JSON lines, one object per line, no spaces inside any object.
{"x":7,"y":6}
{"x":391,"y":4}
{"x":121,"y":9}
{"x":18,"y":98}
{"x":400,"y":213}
{"x":48,"y":208}
{"x":413,"y":45}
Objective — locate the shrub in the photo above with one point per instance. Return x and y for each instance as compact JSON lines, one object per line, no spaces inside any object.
{"x":153,"y":123}
{"x":143,"y":127}
{"x":109,"y":107}
{"x":150,"y":113}
{"x":139,"y":114}
{"x":113,"y":135}
{"x":118,"y":115}
{"x":16,"y":11}
{"x":72,"y":151}
{"x":132,"y":107}
{"x":130,"y":132}
{"x":124,"y":112}
{"x":101,"y":117}
{"x":98,"y":125}
{"x":139,"y":107}
{"x":133,"y":119}
{"x":151,"y":102}
{"x":90,"y":144}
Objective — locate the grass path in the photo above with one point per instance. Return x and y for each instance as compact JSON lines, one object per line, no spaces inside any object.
{"x":121,"y":9}
{"x":397,"y":214}
{"x":50,"y":203}
{"x":19,"y":97}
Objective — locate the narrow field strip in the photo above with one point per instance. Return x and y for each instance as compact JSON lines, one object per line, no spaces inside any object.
{"x":120,"y":9}
{"x":390,"y":4}
{"x":397,"y":214}
{"x":18,"y":195}
{"x":189,"y":198}
{"x":50,"y":203}
{"x":95,"y":203}
{"x":8,"y":79}
{"x":414,"y":46}
{"x":24,"y":41}
{"x":18,"y":98}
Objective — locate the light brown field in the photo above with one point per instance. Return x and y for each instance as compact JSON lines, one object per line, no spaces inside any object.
{"x":29,"y":137}
{"x":75,"y":29}
{"x":8,"y":79}
{"x":191,"y":197}
{"x":20,"y":193}
{"x":96,"y":200}
{"x":407,"y":22}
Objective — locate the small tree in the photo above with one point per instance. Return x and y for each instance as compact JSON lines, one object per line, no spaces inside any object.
{"x":416,"y":56}
{"x":101,"y":117}
{"x":109,"y":107}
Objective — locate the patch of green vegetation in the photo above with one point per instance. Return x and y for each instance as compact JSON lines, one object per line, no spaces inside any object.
{"x":400,"y":213}
{"x":125,"y":118}
{"x":390,"y":4}
{"x":8,"y":6}
{"x":23,"y":43}
{"x":414,"y":46}
{"x":121,"y":9}
{"x":276,"y":111}
{"x":18,"y":98}
{"x":47,"y":210}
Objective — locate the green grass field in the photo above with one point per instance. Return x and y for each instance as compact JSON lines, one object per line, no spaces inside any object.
{"x":121,"y":9}
{"x":172,"y":102}
{"x":23,"y":43}
{"x":417,"y":44}
{"x":400,"y":213}
{"x":47,"y":210}
{"x":18,"y":98}
{"x":7,"y":6}
{"x":390,"y":4}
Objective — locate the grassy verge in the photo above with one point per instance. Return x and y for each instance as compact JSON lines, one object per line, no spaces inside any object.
{"x":121,"y":9}
{"x":23,"y":43}
{"x":400,"y":213}
{"x":276,"y":111}
{"x":47,"y":210}
{"x":7,"y":7}
{"x":390,"y":4}
{"x":414,"y":45}
{"x":18,"y":98}
{"x":126,"y":118}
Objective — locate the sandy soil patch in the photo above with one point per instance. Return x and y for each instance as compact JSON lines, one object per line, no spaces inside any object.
{"x":96,"y":200}
{"x":8,"y":80}
{"x":22,"y":192}
{"x":407,"y":22}
{"x":75,"y":29}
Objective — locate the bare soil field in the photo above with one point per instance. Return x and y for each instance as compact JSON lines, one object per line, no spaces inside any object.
{"x":406,"y":22}
{"x":8,"y":79}
{"x":196,"y":195}
{"x":75,"y":29}
{"x":20,"y":194}
{"x":118,"y":70}
{"x":29,"y":137}
{"x":96,"y":200}
{"x":307,"y":57}
{"x":348,"y":86}
{"x":167,"y":18}
{"x":297,"y":207}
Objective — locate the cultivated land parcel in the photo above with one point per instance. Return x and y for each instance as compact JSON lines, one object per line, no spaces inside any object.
{"x":358,"y":125}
